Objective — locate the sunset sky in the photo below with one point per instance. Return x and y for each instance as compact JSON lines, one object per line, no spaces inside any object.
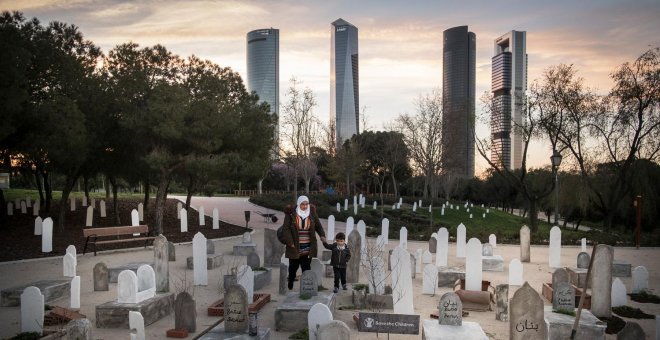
{"x":400,"y":42}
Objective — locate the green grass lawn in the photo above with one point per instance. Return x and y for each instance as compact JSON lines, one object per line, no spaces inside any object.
{"x":12,"y":194}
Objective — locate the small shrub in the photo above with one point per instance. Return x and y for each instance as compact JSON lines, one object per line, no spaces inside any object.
{"x":26,"y":336}
{"x":305,"y":296}
{"x":347,"y":307}
{"x":361,"y":286}
{"x":564,"y":311}
{"x":644,"y":297}
{"x":259,"y":269}
{"x":630,"y":312}
{"x":302,"y":334}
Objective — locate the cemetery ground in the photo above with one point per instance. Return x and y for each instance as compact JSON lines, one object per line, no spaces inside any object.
{"x":536,"y":273}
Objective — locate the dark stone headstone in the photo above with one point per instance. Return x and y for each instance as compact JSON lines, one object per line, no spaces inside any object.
{"x":185,"y":313}
{"x":236,"y":309}
{"x":559,"y":275}
{"x":80,"y":329}
{"x":450,"y":310}
{"x":388,"y":323}
{"x":171,"y":252}
{"x":353,"y":267}
{"x":253,"y":260}
{"x":273,"y":249}
{"x":308,"y":283}
{"x":100,"y":277}
{"x":433,"y":244}
{"x":563,"y":296}
{"x":601,"y":281}
{"x":502,"y":302}
{"x":631,"y":331}
{"x":161,"y":264}
{"x":284,"y":272}
{"x":583,"y":260}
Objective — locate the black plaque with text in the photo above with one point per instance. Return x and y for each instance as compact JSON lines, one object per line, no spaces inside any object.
{"x":388,"y":323}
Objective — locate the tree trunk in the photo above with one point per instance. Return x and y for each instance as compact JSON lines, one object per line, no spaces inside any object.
{"x":191,"y":185}
{"x":3,"y":204}
{"x":259,"y":185}
{"x":145,"y":203}
{"x":396,"y":191}
{"x":348,"y":185}
{"x":307,"y":181}
{"x":161,"y":196}
{"x":68,"y":186}
{"x":295,"y":184}
{"x":49,"y":191}
{"x":86,"y":186}
{"x":106,"y":185}
{"x":37,"y":179}
{"x":112,"y":181}
{"x":533,"y":215}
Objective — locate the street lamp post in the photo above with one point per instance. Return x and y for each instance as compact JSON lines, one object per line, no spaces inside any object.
{"x":555,"y":159}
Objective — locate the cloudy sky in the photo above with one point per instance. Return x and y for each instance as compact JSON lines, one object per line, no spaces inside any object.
{"x":400,"y":42}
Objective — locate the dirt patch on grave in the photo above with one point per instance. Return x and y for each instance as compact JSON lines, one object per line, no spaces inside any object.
{"x":644,"y":297}
{"x":614,"y":324}
{"x":19,"y":242}
{"x":630,"y":312}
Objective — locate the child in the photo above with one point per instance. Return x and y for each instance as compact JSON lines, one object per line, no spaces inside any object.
{"x":340,"y":256}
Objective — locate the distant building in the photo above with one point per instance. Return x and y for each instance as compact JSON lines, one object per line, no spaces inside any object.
{"x":263,"y":68}
{"x":458,"y":86}
{"x":344,"y":80}
{"x":509,"y":83}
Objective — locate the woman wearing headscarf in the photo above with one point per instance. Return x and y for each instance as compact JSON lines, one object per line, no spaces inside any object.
{"x":300,"y":225}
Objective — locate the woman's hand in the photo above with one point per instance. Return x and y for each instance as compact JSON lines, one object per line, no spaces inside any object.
{"x":323,"y":239}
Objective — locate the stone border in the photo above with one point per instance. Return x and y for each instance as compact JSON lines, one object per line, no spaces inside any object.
{"x":547,"y":292}
{"x":259,"y":301}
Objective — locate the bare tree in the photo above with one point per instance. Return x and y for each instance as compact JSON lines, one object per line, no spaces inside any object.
{"x":423,"y":134}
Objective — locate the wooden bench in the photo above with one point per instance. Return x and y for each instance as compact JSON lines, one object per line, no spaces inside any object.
{"x":92,"y":234}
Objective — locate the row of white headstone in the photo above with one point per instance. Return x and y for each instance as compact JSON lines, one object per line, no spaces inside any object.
{"x":23,"y":206}
{"x":182,"y":215}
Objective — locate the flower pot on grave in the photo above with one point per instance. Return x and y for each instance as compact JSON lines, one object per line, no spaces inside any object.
{"x":177,"y":333}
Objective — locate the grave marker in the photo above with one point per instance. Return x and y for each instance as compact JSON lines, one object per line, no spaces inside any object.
{"x":309,"y":285}
{"x":202,"y":216}
{"x":619,"y":297}
{"x":502,"y":302}
{"x":640,"y":279}
{"x":253,"y":260}
{"x":200,"y":272}
{"x":353,"y":266}
{"x":35,"y":208}
{"x":492,"y":239}
{"x":161,"y":263}
{"x":69,"y":265}
{"x":402,"y":282}
{"x":245,"y":278}
{"x":72,"y":202}
{"x":100,"y":277}
{"x":601,"y":281}
{"x":526,"y":321}
{"x":583,"y":260}
{"x":403,"y":237}
{"x":140,"y":211}
{"x":460,"y":240}
{"x":334,"y":330}
{"x":75,"y":292}
{"x":102,"y":208}
{"x":487,"y":249}
{"x":524,"y":244}
{"x":183,"y":215}
{"x":179,"y":206}
{"x":32,"y":310}
{"x":450,"y":310}
{"x":563,"y":296}
{"x":90,"y":217}
{"x":631,"y":331}
{"x":216,"y":219}
{"x":349,"y":225}
{"x":430,"y":279}
{"x":135,"y":218}
{"x":317,"y":316}
{"x":442,"y":248}
{"x":185,"y":313}
{"x":47,"y":236}
{"x":385,"y":229}
{"x":473,"y":265}
{"x":136,"y":325}
{"x":38,"y":225}
{"x":331,"y":228}
{"x":515,"y":273}
{"x":554,"y":258}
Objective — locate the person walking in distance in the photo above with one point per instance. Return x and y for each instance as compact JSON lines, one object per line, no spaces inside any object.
{"x":299,"y":228}
{"x":340,"y":256}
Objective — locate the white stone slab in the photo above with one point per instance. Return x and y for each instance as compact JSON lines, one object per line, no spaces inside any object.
{"x":554,"y":258}
{"x":140,"y":210}
{"x":350,"y":221}
{"x":492,"y":239}
{"x":68,"y":265}
{"x":515,"y":273}
{"x":135,"y":218}
{"x":183,"y":216}
{"x":245,"y":278}
{"x":432,"y":330}
{"x":35,"y":208}
{"x":473,"y":265}
{"x":200,"y":275}
{"x":418,"y":260}
{"x":38,"y":225}
{"x":136,"y":324}
{"x":102,"y":208}
{"x":403,"y":237}
{"x":460,"y":240}
{"x":402,"y":282}
{"x":427,"y":257}
{"x":32,"y":310}
{"x":75,"y":292}
{"x":640,"y":279}
{"x":331,"y":228}
{"x":385,"y":229}
{"x":47,"y":236}
{"x":430,"y":279}
{"x":202,"y":216}
{"x":216,"y":219}
{"x":442,"y":248}
{"x":179,"y":206}
{"x":90,"y":217}
{"x":619,"y":297}
{"x":317,"y":316}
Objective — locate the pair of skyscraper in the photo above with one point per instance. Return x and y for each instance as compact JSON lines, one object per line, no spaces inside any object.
{"x":459,"y":62}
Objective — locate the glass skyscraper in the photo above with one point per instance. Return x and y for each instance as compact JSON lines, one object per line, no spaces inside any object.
{"x":509,"y":83}
{"x":458,"y":86}
{"x":344,"y":76}
{"x":263,"y":68}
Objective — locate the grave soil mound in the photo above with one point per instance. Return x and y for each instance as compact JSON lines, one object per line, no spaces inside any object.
{"x":614,"y":324}
{"x":19,"y":242}
{"x":644,"y":297}
{"x":630,"y":312}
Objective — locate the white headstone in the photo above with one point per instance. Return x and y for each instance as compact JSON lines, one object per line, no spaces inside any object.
{"x":400,"y":200}
{"x":10,"y":209}
{"x":362,"y":229}
{"x":72,"y":200}
{"x":345,"y":204}
{"x":473,"y":265}
{"x":146,"y":279}
{"x":179,"y":206}
{"x":442,"y":248}
{"x":430,"y":279}
{"x":92,"y":202}
{"x":470,"y":215}
{"x":136,"y":325}
{"x":75,"y":292}
{"x":183,"y":215}
{"x":69,"y":265}
{"x":202,"y":216}
{"x":245,"y":278}
{"x":23,"y":208}
{"x":393,"y":206}
{"x":364,"y":201}
{"x":430,"y":209}
{"x":420,"y":203}
{"x":427,"y":257}
{"x":127,"y":287}
{"x":331,"y":228}
{"x":418,"y":260}
{"x":385,"y":230}
{"x":199,"y":257}
{"x":402,"y":282}
{"x":584,"y":244}
{"x":355,"y":205}
{"x":84,"y":201}
{"x":492,"y":239}
{"x":460,"y":240}
{"x":102,"y":208}
{"x":375,"y":205}
{"x":640,"y":279}
{"x":414,"y":207}
{"x":554,"y":259}
{"x":71,"y":249}
{"x":349,"y":225}
{"x":442,"y":212}
{"x":515,"y":273}
{"x":216,"y":219}
{"x":619,"y":297}
{"x":47,"y":236}
{"x":32,"y":310}
{"x":38,"y":225}
{"x":135,"y":218}
{"x":376,"y":275}
{"x":90,"y":217}
{"x":338,"y":207}
{"x":318,"y":268}
{"x":35,"y":208}
{"x":487,"y":211}
{"x":403,"y":237}
{"x":317,"y":316}
{"x":483,"y":215}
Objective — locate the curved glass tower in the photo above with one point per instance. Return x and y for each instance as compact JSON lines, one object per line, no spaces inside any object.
{"x":458,"y":79}
{"x":509,"y":82}
{"x":263,"y":67}
{"x":344,"y":76}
